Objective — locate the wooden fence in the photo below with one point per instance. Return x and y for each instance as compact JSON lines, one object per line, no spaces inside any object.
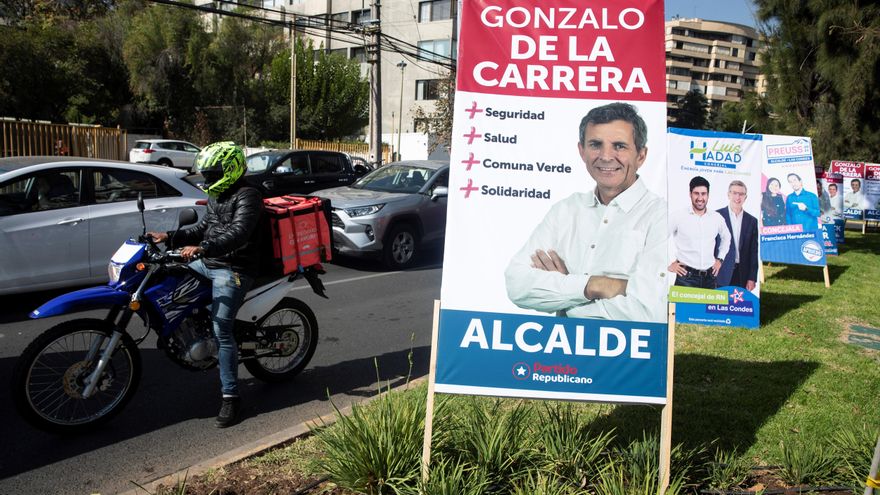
{"x":21,"y":138}
{"x":355,"y":149}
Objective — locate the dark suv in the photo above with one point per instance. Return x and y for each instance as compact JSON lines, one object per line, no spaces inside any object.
{"x":280,"y":172}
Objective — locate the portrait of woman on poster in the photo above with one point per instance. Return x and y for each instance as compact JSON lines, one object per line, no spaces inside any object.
{"x":773,"y":204}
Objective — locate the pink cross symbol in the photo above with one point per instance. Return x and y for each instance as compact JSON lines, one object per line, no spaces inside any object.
{"x":470,"y":161}
{"x":469,"y":188}
{"x":473,"y":110}
{"x":473,"y":135}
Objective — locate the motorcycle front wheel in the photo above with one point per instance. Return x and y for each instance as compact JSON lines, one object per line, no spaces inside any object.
{"x":49,"y":377}
{"x":290,"y":333}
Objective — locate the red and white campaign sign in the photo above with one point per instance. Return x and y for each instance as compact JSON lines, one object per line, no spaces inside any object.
{"x":563,"y":49}
{"x":557,"y":103}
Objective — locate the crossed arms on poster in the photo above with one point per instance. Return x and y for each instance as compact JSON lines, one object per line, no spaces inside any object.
{"x":601,"y":254}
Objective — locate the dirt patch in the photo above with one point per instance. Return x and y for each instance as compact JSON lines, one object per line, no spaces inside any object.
{"x":240,"y":479}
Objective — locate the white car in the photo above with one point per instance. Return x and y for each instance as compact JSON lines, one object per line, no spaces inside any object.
{"x":61,"y":221}
{"x":168,"y":152}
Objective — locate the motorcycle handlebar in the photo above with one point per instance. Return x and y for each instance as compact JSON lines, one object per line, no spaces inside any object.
{"x":175,"y":255}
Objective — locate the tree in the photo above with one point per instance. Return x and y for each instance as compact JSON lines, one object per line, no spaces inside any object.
{"x":163,"y":52}
{"x":823,"y":69}
{"x":692,"y":110}
{"x":751,"y":111}
{"x":331,"y":97}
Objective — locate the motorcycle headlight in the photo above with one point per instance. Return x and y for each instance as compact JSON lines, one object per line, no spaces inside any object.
{"x":361,"y":211}
{"x":114,"y":269}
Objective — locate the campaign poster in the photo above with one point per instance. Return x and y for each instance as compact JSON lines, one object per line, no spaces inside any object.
{"x":714,"y":207}
{"x":830,"y":192}
{"x":790,"y":229}
{"x":854,"y":201}
{"x":872,"y":191}
{"x":554,"y":280}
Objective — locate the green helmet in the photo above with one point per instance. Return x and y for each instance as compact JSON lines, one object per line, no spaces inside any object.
{"x":221,"y":164}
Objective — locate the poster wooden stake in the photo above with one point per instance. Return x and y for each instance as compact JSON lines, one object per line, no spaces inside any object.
{"x":827,"y":277}
{"x":761,"y":273}
{"x":666,"y":415}
{"x":429,"y":409}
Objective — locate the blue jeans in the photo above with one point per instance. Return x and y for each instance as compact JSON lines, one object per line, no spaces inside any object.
{"x":228,"y":290}
{"x":697,"y":278}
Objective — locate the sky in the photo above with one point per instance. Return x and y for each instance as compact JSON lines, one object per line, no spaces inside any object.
{"x":738,"y":11}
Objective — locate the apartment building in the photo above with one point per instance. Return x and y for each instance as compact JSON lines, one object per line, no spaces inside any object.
{"x":416,"y":26}
{"x":718,"y":58}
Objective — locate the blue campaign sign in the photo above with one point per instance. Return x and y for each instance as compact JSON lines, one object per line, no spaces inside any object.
{"x":743,"y":310}
{"x":829,"y":238}
{"x":547,"y":357}
{"x":798,"y":248}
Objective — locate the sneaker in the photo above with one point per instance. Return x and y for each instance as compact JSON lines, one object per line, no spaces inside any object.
{"x":230,"y":412}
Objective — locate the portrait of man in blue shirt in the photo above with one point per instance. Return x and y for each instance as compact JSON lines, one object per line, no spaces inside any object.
{"x":801,"y":206}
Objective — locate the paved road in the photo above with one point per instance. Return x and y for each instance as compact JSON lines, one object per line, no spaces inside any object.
{"x":168,"y":425}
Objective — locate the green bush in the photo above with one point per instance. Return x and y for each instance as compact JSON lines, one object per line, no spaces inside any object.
{"x":495,"y":439}
{"x":377,"y":449}
{"x":807,"y":463}
{"x":726,"y":470}
{"x":569,"y":448}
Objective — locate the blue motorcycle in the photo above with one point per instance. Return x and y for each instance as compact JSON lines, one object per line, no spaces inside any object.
{"x":80,"y":373}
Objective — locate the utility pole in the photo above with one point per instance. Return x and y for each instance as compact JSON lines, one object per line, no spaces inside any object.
{"x":402,"y":65}
{"x":293,"y":83}
{"x":375,"y":60}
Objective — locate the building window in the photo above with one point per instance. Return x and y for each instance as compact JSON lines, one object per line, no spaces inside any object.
{"x":342,"y":52}
{"x":361,"y":16}
{"x":340,"y":18}
{"x":435,"y":49}
{"x":427,"y":89}
{"x":359,"y":53}
{"x":435,"y":10}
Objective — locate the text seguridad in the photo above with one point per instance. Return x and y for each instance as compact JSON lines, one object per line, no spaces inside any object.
{"x":586,"y":71}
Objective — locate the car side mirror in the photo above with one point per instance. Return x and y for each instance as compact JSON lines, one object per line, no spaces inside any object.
{"x":283,"y":170}
{"x":360,"y":169}
{"x":439,"y":192}
{"x":187,"y":216}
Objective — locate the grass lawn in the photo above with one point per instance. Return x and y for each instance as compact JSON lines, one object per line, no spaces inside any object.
{"x":798,"y":380}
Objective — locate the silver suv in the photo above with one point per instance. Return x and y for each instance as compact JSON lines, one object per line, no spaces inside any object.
{"x":391,"y":212}
{"x":168,"y":152}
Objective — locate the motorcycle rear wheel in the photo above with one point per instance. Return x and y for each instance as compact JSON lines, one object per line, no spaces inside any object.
{"x":48,"y":378}
{"x":291,"y":327}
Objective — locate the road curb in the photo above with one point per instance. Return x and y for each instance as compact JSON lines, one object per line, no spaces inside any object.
{"x":258,"y":446}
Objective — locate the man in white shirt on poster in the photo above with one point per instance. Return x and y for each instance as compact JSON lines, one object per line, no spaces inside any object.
{"x":855,"y":200}
{"x":602,"y":253}
{"x":694,"y":232}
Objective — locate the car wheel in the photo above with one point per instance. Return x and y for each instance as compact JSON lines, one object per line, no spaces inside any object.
{"x":400,"y":247}
{"x":166,"y":162}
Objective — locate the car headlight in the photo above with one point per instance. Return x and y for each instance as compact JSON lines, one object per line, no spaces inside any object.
{"x":361,"y":211}
{"x":114,"y":269}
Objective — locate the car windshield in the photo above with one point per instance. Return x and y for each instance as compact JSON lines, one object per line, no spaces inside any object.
{"x":395,"y":178}
{"x":259,"y":163}
{"x":142,"y":145}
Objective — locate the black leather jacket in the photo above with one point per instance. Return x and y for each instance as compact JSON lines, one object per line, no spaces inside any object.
{"x":229,"y":233}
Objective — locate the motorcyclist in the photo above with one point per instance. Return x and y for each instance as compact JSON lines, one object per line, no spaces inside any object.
{"x":224,"y":246}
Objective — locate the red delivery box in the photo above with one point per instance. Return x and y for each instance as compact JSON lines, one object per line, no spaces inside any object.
{"x":300,"y":231}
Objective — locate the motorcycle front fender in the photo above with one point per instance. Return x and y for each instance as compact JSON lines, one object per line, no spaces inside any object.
{"x":82,"y":300}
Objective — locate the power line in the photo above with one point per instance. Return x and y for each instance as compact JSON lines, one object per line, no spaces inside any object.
{"x":321,"y":25}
